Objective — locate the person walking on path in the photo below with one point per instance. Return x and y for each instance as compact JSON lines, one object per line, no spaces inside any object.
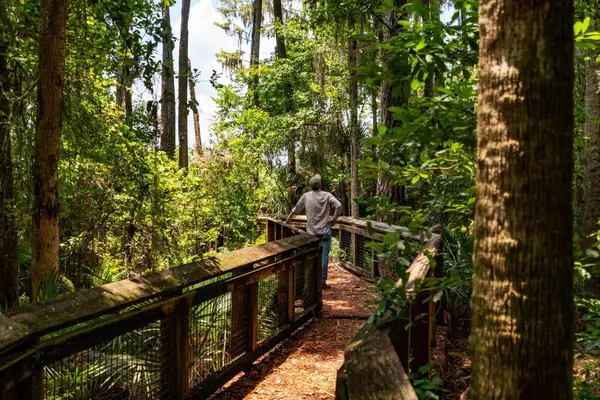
{"x":319,"y":204}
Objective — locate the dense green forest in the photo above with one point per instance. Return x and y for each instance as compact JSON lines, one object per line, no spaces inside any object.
{"x":98,"y":182}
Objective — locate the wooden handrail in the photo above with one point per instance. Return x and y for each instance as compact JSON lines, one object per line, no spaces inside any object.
{"x":34,"y":337}
{"x":376,"y":359}
{"x":28,"y":323}
{"x":379,"y":227}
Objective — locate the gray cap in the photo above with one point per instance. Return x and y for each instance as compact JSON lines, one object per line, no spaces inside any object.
{"x":315,"y":180}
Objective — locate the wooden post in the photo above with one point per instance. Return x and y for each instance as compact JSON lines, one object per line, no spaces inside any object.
{"x":419,"y":338}
{"x":286,"y":292}
{"x":354,"y":250}
{"x":291,"y":295}
{"x":317,"y":264}
{"x":438,"y":272}
{"x":175,"y":351}
{"x":271,"y":227}
{"x":31,"y":388}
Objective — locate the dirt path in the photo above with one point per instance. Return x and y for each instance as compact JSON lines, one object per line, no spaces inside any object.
{"x":305,"y":366}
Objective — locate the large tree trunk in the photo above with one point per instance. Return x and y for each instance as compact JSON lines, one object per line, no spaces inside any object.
{"x":255,"y":50}
{"x":522,"y":327}
{"x":167,"y":112}
{"x":124,"y":97}
{"x":388,"y":96}
{"x":9,"y":252}
{"x":45,"y":241}
{"x":183,"y":85}
{"x":591,"y":213}
{"x":287,"y":89}
{"x":194,"y":105}
{"x":354,"y":128}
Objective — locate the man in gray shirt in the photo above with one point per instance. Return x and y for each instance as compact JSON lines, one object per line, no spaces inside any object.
{"x":319,"y":205}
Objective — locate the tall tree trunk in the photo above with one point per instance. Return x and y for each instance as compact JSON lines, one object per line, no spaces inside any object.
{"x":9,"y":251}
{"x":255,"y":51}
{"x":591,"y":213}
{"x":354,"y":128}
{"x":183,"y":84}
{"x":45,"y":241}
{"x":287,"y":89}
{"x":124,"y":97}
{"x":390,"y":95}
{"x":167,"y":112}
{"x":194,"y":105}
{"x":523,"y":314}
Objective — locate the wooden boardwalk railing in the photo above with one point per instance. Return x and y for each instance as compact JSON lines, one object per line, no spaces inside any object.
{"x":174,"y":334}
{"x":376,"y":361}
{"x":184,"y":332}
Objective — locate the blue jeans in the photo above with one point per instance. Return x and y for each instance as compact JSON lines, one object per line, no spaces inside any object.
{"x":325,"y":245}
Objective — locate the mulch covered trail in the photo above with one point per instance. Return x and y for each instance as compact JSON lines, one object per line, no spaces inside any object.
{"x":305,"y":366}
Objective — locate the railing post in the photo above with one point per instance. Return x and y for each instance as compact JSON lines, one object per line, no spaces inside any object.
{"x":419,"y":332}
{"x":271,"y":227}
{"x":438,"y":272}
{"x":31,"y":388}
{"x":175,"y":351}
{"x":354,"y":250}
{"x":319,"y":284}
{"x":286,"y":295}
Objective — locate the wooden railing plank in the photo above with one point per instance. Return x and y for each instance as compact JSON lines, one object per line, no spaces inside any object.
{"x":376,"y":359}
{"x":40,"y":318}
{"x":372,"y":370}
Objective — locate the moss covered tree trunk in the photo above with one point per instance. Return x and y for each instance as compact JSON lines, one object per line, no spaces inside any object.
{"x":522,"y":328}
{"x":9,"y":254}
{"x":257,"y":7}
{"x":287,"y":89}
{"x":183,"y":84}
{"x":354,"y":128}
{"x":591,"y":213}
{"x":45,"y":241}
{"x":392,"y":93}
{"x":167,"y":112}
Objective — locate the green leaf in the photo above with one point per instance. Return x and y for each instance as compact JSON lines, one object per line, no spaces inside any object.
{"x":415,"y":179}
{"x":585,"y":25}
{"x":421,"y":45}
{"x":592,"y":36}
{"x":414,"y":85}
{"x":592,"y":253}
{"x":438,"y":296}
{"x":587,"y":46}
{"x":382,"y":129}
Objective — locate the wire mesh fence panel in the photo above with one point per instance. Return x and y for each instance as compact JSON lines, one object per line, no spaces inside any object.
{"x":127,"y":367}
{"x":270,"y":309}
{"x":346,"y":246}
{"x":364,"y":254}
{"x":211,"y":341}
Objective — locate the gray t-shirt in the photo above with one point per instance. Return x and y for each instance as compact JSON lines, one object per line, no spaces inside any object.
{"x":318,"y":206}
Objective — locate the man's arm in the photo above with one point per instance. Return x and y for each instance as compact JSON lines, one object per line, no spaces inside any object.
{"x":337,"y":206}
{"x":298,"y":208}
